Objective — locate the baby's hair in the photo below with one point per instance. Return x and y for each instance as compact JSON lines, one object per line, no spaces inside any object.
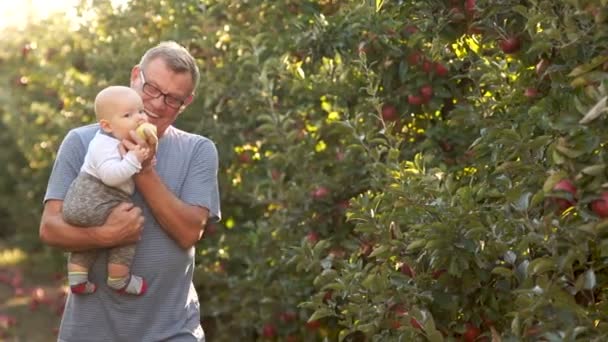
{"x":109,"y":97}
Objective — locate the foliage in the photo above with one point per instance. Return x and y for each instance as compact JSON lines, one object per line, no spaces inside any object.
{"x":387,"y":167}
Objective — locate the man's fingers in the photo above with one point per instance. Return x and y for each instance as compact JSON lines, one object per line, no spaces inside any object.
{"x":126,"y":206}
{"x":129,"y":145}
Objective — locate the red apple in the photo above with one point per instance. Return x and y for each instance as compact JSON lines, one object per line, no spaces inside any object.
{"x":366,"y":248}
{"x":510,"y":45}
{"x":542,"y":66}
{"x":567,"y":186}
{"x":415,"y":324}
{"x":275,"y":174}
{"x":426,"y":91}
{"x":313,"y":325}
{"x":312,"y":237}
{"x":531,"y":92}
{"x":413,"y":58}
{"x":415,"y":100}
{"x":441,"y":70}
{"x":288,"y":316}
{"x":269,"y":331}
{"x":469,"y":7}
{"x":600,"y":206}
{"x":337,"y":253}
{"x":437,"y":273}
{"x":471,"y":334}
{"x":407,"y":270}
{"x":389,"y":113}
{"x":320,"y":192}
{"x":427,"y":66}
{"x":340,"y":155}
{"x":245,"y":157}
{"x":410,"y":29}
{"x":343,"y":205}
{"x":327,"y":296}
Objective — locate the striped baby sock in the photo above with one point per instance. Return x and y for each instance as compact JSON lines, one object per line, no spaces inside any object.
{"x":80,"y":284}
{"x":132,"y":284}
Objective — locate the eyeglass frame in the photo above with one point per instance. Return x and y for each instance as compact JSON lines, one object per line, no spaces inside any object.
{"x":160,"y":93}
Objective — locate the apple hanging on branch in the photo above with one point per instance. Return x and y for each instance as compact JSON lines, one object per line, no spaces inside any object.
{"x":600,"y":206}
{"x":567,"y":186}
{"x":510,"y":44}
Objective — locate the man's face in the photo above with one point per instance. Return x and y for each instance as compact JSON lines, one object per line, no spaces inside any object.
{"x":162,"y":82}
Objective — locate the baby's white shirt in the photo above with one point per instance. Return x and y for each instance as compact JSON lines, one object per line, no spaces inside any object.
{"x":103,"y":161}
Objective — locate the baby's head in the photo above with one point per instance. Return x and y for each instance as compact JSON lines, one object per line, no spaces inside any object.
{"x":119,"y":110}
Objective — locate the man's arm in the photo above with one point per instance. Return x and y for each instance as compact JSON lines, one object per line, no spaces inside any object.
{"x":182,"y":221}
{"x":123,"y":226}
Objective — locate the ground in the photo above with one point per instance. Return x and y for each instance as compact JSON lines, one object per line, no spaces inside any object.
{"x":31,"y":297}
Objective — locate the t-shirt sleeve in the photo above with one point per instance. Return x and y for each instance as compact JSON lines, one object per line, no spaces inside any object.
{"x":201,"y":184}
{"x":66,"y":167}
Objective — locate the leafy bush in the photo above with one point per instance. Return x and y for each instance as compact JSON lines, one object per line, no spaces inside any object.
{"x":388,"y":169}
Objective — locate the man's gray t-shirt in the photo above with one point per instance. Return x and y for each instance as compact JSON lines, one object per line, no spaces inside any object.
{"x":169,"y":311}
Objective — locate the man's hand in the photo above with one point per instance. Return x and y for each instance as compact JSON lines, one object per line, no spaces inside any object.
{"x":125,"y":224}
{"x":133,"y":143}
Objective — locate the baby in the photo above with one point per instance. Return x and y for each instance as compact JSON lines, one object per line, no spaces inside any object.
{"x":105,"y":180}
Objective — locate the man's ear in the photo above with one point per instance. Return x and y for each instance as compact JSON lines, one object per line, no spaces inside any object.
{"x":105,"y":125}
{"x":187,"y":102}
{"x":134,"y":74}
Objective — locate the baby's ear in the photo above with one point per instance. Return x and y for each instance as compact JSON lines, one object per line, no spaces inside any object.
{"x":105,"y":125}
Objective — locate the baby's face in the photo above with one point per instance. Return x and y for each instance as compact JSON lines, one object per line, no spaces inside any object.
{"x":126,"y":116}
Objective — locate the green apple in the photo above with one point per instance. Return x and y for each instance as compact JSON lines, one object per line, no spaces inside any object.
{"x":147,"y":131}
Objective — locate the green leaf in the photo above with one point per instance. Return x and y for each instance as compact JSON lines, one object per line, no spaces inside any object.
{"x":552,"y":180}
{"x":594,"y":170}
{"x":416,"y":244}
{"x":541,"y":265}
{"x":595,"y":111}
{"x":595,"y":62}
{"x":604,"y":248}
{"x":379,"y":250}
{"x":568,"y":152}
{"x":321,"y":313}
{"x":590,"y":280}
{"x":503,"y":271}
{"x":434,"y":336}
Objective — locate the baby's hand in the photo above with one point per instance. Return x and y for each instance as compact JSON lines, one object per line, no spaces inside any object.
{"x":141,"y":153}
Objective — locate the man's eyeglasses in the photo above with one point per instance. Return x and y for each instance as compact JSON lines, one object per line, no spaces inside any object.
{"x":154,"y":92}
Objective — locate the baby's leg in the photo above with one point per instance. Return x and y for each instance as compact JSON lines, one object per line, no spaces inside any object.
{"x":79,"y":264}
{"x":119,"y":271}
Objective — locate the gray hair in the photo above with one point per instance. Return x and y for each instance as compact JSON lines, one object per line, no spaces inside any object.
{"x":178,"y":59}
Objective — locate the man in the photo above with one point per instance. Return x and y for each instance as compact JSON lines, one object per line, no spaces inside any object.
{"x":175,"y":198}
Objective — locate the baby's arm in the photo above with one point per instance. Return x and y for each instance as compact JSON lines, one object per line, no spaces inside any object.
{"x":114,"y":170}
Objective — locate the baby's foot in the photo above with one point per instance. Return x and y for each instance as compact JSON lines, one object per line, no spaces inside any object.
{"x":79,"y":283}
{"x":133,"y":285}
{"x":83,"y":288}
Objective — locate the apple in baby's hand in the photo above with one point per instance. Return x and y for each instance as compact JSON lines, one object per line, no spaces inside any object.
{"x":147,"y":131}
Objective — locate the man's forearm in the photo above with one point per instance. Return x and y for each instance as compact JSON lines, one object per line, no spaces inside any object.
{"x":183,"y":222}
{"x":55,"y":232}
